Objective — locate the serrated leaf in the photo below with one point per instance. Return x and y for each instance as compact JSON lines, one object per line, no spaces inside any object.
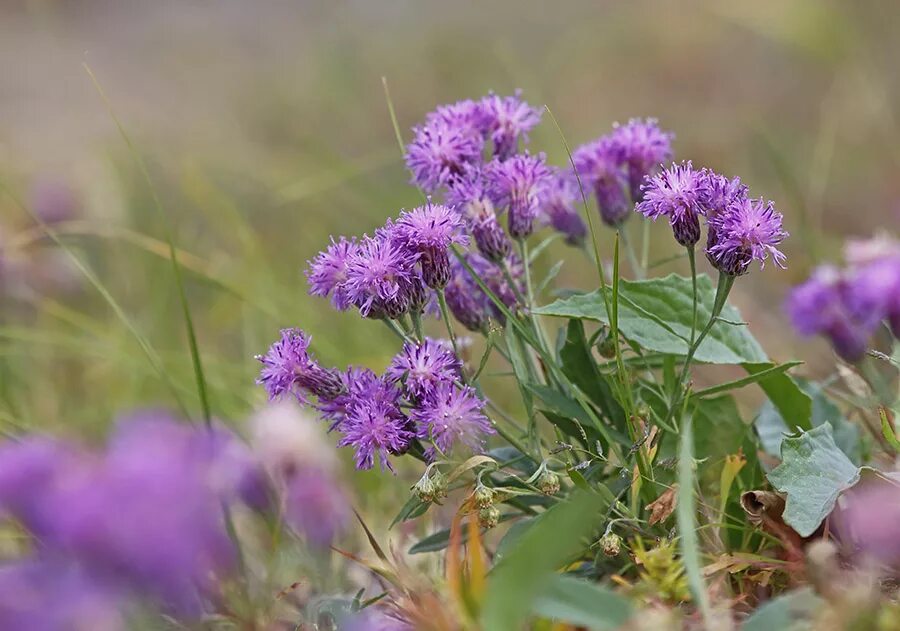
{"x":813,"y":473}
{"x":582,"y":603}
{"x":656,"y":314}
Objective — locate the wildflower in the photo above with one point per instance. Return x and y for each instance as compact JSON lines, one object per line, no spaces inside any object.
{"x":507,"y":119}
{"x":465,"y":115}
{"x":557,"y":200}
{"x":825,"y":305}
{"x":288,"y":368}
{"x":471,"y":196}
{"x":439,"y":153}
{"x":54,"y":200}
{"x":489,"y":517}
{"x":327,"y":273}
{"x":717,"y":195}
{"x":747,"y":230}
{"x":430,"y":231}
{"x":381,"y":279}
{"x":463,"y":299}
{"x":490,"y":238}
{"x":423,"y":367}
{"x":515,"y":184}
{"x":452,"y":414}
{"x":375,"y":428}
{"x":675,"y":193}
{"x":641,"y":146}
{"x":599,"y":165}
{"x":875,"y":267}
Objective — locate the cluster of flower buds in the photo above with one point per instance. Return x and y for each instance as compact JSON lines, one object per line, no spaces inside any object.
{"x":848,"y":305}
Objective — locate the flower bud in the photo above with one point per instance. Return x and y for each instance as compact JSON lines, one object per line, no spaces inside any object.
{"x":548,"y":483}
{"x":606,"y":345}
{"x":483,"y":496}
{"x":439,"y":480}
{"x":424,"y":489}
{"x":488,"y":517}
{"x":611,"y":544}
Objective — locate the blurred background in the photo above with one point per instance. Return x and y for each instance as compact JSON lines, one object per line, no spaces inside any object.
{"x":265,"y":129}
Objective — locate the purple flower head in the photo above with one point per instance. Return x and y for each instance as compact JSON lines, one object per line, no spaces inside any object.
{"x":675,"y":193}
{"x":423,"y":367}
{"x":328,"y":272}
{"x":54,"y":200}
{"x":557,"y":201}
{"x":465,"y":115}
{"x":316,"y":506}
{"x":515,"y":184}
{"x":825,"y":304}
{"x":598,"y":164}
{"x":288,"y":368}
{"x":375,"y":428}
{"x":450,"y":415}
{"x":440,"y":152}
{"x":464,"y":299}
{"x":430,"y":231}
{"x":718,"y":193}
{"x":875,"y":272}
{"x":641,"y":145}
{"x":381,"y":276}
{"x":49,"y":595}
{"x":747,"y":230}
{"x":506,"y":119}
{"x":490,"y":238}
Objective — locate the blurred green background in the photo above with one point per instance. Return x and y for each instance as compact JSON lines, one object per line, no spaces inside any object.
{"x":265,"y":129}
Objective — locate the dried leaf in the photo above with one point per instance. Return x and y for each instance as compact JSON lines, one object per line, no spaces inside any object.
{"x":661,"y":508}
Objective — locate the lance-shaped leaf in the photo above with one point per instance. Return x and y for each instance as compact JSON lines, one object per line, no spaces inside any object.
{"x":813,"y":473}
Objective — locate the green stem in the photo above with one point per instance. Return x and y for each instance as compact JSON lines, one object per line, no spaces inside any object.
{"x":645,"y":245}
{"x":636,"y":268}
{"x":693,"y":261}
{"x":396,"y":330}
{"x":445,"y":315}
{"x":416,"y":318}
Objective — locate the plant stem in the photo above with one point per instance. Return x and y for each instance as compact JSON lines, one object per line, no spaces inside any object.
{"x":636,"y":268}
{"x":445,"y":315}
{"x":645,"y":245}
{"x":416,"y":318}
{"x":395,"y":329}
{"x":693,"y":261}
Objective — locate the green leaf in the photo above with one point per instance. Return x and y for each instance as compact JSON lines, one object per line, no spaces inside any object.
{"x":543,"y":548}
{"x":887,"y":430}
{"x":579,"y":366}
{"x":813,"y":473}
{"x":582,"y":603}
{"x":792,"y":611}
{"x":656,"y":314}
{"x":414,"y":507}
{"x":436,"y":541}
{"x":785,"y":393}
{"x":719,"y":430}
{"x":558,"y":406}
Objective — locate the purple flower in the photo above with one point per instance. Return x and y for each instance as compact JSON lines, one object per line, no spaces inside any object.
{"x":747,"y":230}
{"x":315,"y":505}
{"x":49,"y":595}
{"x":825,"y":304}
{"x":718,"y":193}
{"x":440,"y":152}
{"x":465,"y":299}
{"x":641,"y":146}
{"x":375,"y":428}
{"x":875,"y":269}
{"x":675,"y":193}
{"x":515,"y":184}
{"x":866,"y":521}
{"x":599,"y":165}
{"x":464,"y":115}
{"x":288,"y":368}
{"x":328,"y":272}
{"x":506,"y":119}
{"x":423,"y":367}
{"x":53,"y":200}
{"x":451,"y":415}
{"x":381,"y":277}
{"x":557,"y":201}
{"x":430,"y":231}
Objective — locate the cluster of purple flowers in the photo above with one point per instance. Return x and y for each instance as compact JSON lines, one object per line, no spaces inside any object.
{"x":848,"y":305}
{"x":140,"y":523}
{"x":419,"y":398}
{"x":739,"y":229}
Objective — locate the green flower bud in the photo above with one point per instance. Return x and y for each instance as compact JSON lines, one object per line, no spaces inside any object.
{"x":611,"y":544}
{"x":425,"y":489}
{"x":488,"y":517}
{"x":606,"y":344}
{"x":548,"y":483}
{"x":439,"y":480}
{"x":483,"y":496}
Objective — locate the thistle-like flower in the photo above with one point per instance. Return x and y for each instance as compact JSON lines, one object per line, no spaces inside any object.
{"x":440,"y":152}
{"x":423,"y":367}
{"x":747,"y":230}
{"x":675,"y":193}
{"x":450,"y":415}
{"x":515,"y":185}
{"x":599,"y":165}
{"x":430,"y":231}
{"x":375,"y":428}
{"x":557,"y":202}
{"x":327,"y":273}
{"x":506,"y":119}
{"x":288,"y":368}
{"x":381,"y":276}
{"x":641,"y":146}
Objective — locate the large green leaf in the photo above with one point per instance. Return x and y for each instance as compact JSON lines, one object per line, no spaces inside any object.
{"x":656,"y":314}
{"x":785,"y":393}
{"x":582,"y":603}
{"x":528,"y":568}
{"x":813,"y":473}
{"x":793,"y":611}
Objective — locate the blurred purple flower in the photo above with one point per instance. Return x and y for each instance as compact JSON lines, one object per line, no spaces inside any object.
{"x":381,"y":277}
{"x":53,"y":200}
{"x":641,"y":146}
{"x":507,"y":119}
{"x":450,"y":415}
{"x":515,"y":184}
{"x":875,"y":268}
{"x":430,"y":231}
{"x":423,"y":367}
{"x":868,"y":521}
{"x":316,"y":506}
{"x":440,"y":152}
{"x":747,"y":230}
{"x":557,"y":201}
{"x":288,"y":368}
{"x":599,"y":165}
{"x":327,"y":273}
{"x":675,"y":193}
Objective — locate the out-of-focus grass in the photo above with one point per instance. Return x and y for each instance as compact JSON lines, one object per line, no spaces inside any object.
{"x":265,"y":131}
